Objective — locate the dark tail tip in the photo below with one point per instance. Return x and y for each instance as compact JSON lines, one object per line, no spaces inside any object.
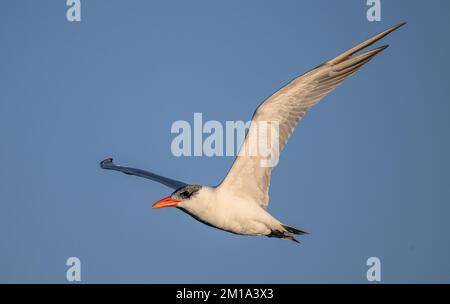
{"x":294,"y":230}
{"x":295,"y":240}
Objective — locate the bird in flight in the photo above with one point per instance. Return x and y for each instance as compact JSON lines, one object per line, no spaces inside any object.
{"x":239,"y":203}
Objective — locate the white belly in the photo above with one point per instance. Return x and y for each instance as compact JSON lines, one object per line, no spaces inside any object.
{"x":230,"y":212}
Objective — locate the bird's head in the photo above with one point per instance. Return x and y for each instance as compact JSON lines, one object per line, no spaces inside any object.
{"x":181,"y":197}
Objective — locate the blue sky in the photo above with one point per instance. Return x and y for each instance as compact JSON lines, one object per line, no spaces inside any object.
{"x":366,"y":172}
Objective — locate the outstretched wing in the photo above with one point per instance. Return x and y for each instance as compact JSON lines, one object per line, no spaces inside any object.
{"x":109,"y":165}
{"x":247,"y":177}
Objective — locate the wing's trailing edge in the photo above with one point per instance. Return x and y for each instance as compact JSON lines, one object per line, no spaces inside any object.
{"x":247,"y":177}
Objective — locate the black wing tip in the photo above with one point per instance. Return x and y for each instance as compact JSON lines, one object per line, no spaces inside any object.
{"x":106,"y":162}
{"x":396,"y":27}
{"x":379,"y":49}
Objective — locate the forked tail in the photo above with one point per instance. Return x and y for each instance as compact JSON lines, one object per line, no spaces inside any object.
{"x":288,"y":233}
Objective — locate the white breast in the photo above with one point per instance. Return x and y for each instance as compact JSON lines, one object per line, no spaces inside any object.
{"x":230,"y":212}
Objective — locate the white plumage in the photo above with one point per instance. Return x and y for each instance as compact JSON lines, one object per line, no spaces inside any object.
{"x":239,"y":203}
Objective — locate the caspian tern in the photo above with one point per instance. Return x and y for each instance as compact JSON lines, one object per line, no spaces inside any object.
{"x":239,"y":203}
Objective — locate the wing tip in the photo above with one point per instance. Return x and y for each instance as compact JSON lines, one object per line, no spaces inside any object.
{"x":376,"y":51}
{"x":380,"y":49}
{"x":106,"y":162}
{"x":391,"y":29}
{"x":401,"y":24}
{"x":345,"y":55}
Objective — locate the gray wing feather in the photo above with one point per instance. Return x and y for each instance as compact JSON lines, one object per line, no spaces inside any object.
{"x":287,"y":107}
{"x":171,"y":183}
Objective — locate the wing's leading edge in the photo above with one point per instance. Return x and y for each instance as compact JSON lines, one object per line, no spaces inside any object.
{"x":287,"y":107}
{"x":171,"y":183}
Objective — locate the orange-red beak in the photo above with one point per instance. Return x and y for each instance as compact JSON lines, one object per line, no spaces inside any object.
{"x":166,"y":202}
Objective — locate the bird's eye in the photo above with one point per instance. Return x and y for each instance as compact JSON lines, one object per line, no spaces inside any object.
{"x":184,"y":194}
